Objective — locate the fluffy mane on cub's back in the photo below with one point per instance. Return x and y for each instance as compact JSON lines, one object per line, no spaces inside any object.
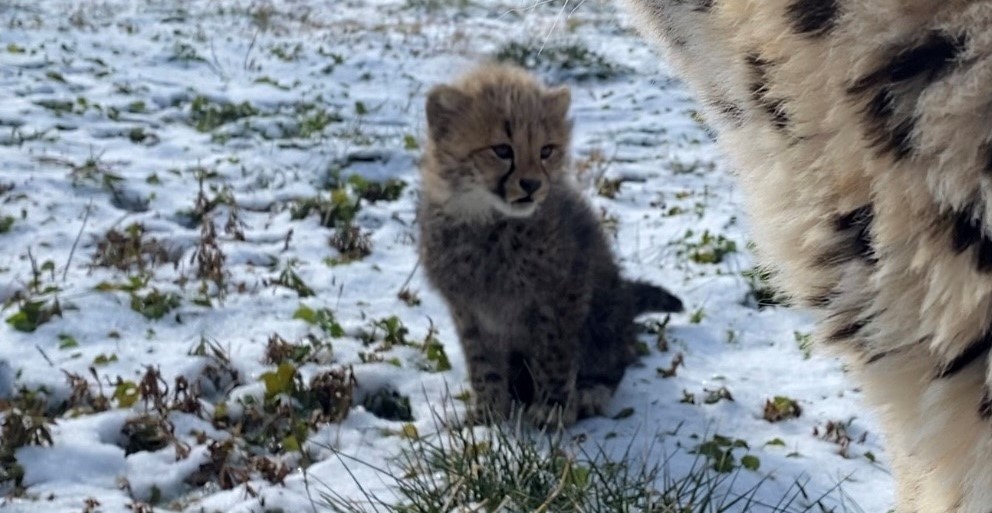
{"x":862,"y":130}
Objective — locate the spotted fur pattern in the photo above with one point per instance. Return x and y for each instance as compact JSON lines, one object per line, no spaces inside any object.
{"x":543,"y":316}
{"x":863,"y":133}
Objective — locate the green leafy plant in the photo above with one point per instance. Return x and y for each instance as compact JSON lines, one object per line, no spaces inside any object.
{"x":207,"y":115}
{"x":322,"y":318}
{"x":154,"y":304}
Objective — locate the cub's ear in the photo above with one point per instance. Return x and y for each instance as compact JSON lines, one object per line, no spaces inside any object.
{"x":444,"y":105}
{"x":557,"y":101}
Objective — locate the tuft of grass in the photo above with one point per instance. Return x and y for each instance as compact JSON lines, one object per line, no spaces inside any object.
{"x":286,"y":52}
{"x":26,"y":421}
{"x":372,"y":191}
{"x":207,"y":115}
{"x":805,"y":343}
{"x":409,"y":297}
{"x":475,"y":469}
{"x":388,"y":404}
{"x":608,"y":187}
{"x":129,"y":249}
{"x":436,"y":5}
{"x":209,"y":258}
{"x":322,"y":318}
{"x":39,"y":303}
{"x":719,"y":453}
{"x":310,"y":350}
{"x":282,"y":421}
{"x":707,"y":248}
{"x":289,"y":279}
{"x":433,"y":349}
{"x":185,"y":53}
{"x":781,"y":408}
{"x":337,"y":210}
{"x":154,"y":304}
{"x":564,"y":61}
{"x":760,"y":290}
{"x":315,"y":122}
{"x":33,"y":313}
{"x":352,"y":243}
{"x":502,"y":468}
{"x":838,"y":432}
{"x":389,"y":331}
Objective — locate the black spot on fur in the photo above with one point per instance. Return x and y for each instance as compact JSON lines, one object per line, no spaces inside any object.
{"x":813,"y":17}
{"x":885,"y":131}
{"x":877,"y":357}
{"x":506,"y":128}
{"x":972,"y":353}
{"x":893,"y":89}
{"x":822,"y":300}
{"x":988,"y":159}
{"x":968,"y":231}
{"x":855,"y":228}
{"x":983,"y":256}
{"x":847,"y":331}
{"x":930,"y":60}
{"x":729,"y":112}
{"x":774,"y":107}
{"x":859,"y":220}
{"x":985,"y":406}
{"x":703,"y":6}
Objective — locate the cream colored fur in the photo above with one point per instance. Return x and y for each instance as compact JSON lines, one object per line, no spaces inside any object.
{"x":910,"y":313}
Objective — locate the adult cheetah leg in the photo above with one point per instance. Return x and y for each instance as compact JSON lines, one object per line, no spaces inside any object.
{"x":939,"y":443}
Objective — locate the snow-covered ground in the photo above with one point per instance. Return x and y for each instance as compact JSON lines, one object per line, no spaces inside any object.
{"x":116,"y":115}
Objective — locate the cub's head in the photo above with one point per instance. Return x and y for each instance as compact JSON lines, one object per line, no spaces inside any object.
{"x":498,"y":140}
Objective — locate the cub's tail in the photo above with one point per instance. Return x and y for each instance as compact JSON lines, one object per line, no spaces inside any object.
{"x":652,"y":298}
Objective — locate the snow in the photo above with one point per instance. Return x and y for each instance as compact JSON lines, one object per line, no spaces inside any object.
{"x":102,"y":93}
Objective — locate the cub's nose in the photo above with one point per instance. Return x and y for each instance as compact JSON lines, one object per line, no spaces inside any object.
{"x":530,"y":186}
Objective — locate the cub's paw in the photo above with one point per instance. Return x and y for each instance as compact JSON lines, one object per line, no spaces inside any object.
{"x":592,"y":401}
{"x":489,"y":409}
{"x":552,"y":415}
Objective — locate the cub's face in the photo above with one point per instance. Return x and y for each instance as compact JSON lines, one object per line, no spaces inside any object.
{"x":499,"y":140}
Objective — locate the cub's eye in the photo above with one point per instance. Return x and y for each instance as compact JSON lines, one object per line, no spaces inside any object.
{"x":503,"y":151}
{"x":547,"y":150}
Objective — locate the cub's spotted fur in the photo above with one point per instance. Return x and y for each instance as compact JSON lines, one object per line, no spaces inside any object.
{"x":542,"y":313}
{"x":863,"y":133}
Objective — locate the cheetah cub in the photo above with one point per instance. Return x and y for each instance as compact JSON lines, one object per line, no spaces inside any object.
{"x":544,"y":318}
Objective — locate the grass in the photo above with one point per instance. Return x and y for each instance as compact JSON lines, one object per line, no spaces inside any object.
{"x":307,"y":387}
{"x":206,"y":115}
{"x":506,"y":468}
{"x":562,"y":61}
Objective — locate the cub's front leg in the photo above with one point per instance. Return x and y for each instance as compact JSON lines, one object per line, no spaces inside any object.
{"x":488,"y":368}
{"x":553,"y":365}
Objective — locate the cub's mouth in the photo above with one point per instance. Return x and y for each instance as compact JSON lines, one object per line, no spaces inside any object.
{"x":520,"y":207}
